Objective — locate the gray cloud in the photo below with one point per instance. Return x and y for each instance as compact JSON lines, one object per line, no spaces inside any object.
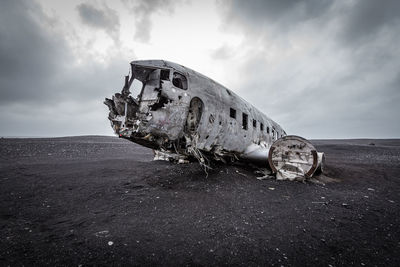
{"x":364,"y":19}
{"x":105,"y":18}
{"x":27,"y":53}
{"x":321,"y":69}
{"x":260,"y":15}
{"x":36,"y":62}
{"x":222,"y":52}
{"x":335,"y":70}
{"x":143,"y":11}
{"x":43,"y":90}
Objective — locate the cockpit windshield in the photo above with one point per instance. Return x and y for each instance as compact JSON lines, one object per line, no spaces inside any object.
{"x":179,"y":81}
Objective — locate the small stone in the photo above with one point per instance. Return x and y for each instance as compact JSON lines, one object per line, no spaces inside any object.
{"x":104,"y":233}
{"x":110,"y":243}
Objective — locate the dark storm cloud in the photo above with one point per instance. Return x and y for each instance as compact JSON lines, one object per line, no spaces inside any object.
{"x":105,"y":18}
{"x":334,"y":65}
{"x":28,"y":55}
{"x":36,"y":63}
{"x":43,"y":89}
{"x":360,"y":20}
{"x":257,"y":14}
{"x":364,"y":19}
{"x":143,"y":11}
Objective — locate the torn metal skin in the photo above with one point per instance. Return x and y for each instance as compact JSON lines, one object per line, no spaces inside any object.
{"x":182,"y":115}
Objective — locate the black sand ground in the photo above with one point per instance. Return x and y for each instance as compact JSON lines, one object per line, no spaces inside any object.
{"x":103,"y":201}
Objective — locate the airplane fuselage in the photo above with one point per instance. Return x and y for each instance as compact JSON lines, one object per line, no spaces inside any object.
{"x":179,"y":108}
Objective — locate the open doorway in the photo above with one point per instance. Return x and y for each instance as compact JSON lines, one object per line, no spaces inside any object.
{"x":194,"y":115}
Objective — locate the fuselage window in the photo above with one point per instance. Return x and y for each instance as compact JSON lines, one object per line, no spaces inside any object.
{"x":261,"y":126}
{"x":254,"y":123}
{"x":273,"y":133}
{"x":267,"y":130}
{"x":164,"y":75}
{"x":179,"y":81}
{"x":245,"y":121}
{"x":232,"y":113}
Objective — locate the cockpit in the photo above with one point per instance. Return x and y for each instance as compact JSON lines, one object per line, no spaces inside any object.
{"x":147,"y":79}
{"x":179,"y":80}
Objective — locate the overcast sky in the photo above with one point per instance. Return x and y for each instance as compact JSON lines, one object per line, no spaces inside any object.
{"x":321,"y":69}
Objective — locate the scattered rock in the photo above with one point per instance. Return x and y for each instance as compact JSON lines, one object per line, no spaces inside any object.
{"x":104,"y":233}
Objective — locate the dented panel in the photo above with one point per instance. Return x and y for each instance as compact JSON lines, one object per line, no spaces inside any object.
{"x":180,"y":111}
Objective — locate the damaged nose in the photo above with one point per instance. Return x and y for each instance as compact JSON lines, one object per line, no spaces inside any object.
{"x":122,"y":109}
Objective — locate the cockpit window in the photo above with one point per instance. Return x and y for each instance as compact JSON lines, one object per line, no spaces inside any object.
{"x":179,"y":81}
{"x":244,"y":121}
{"x":164,"y":75}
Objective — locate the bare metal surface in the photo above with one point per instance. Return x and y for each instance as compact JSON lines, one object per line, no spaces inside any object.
{"x":182,"y":112}
{"x":294,"y":158}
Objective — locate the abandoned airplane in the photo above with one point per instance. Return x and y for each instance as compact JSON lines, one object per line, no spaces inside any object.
{"x":182,"y":114}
